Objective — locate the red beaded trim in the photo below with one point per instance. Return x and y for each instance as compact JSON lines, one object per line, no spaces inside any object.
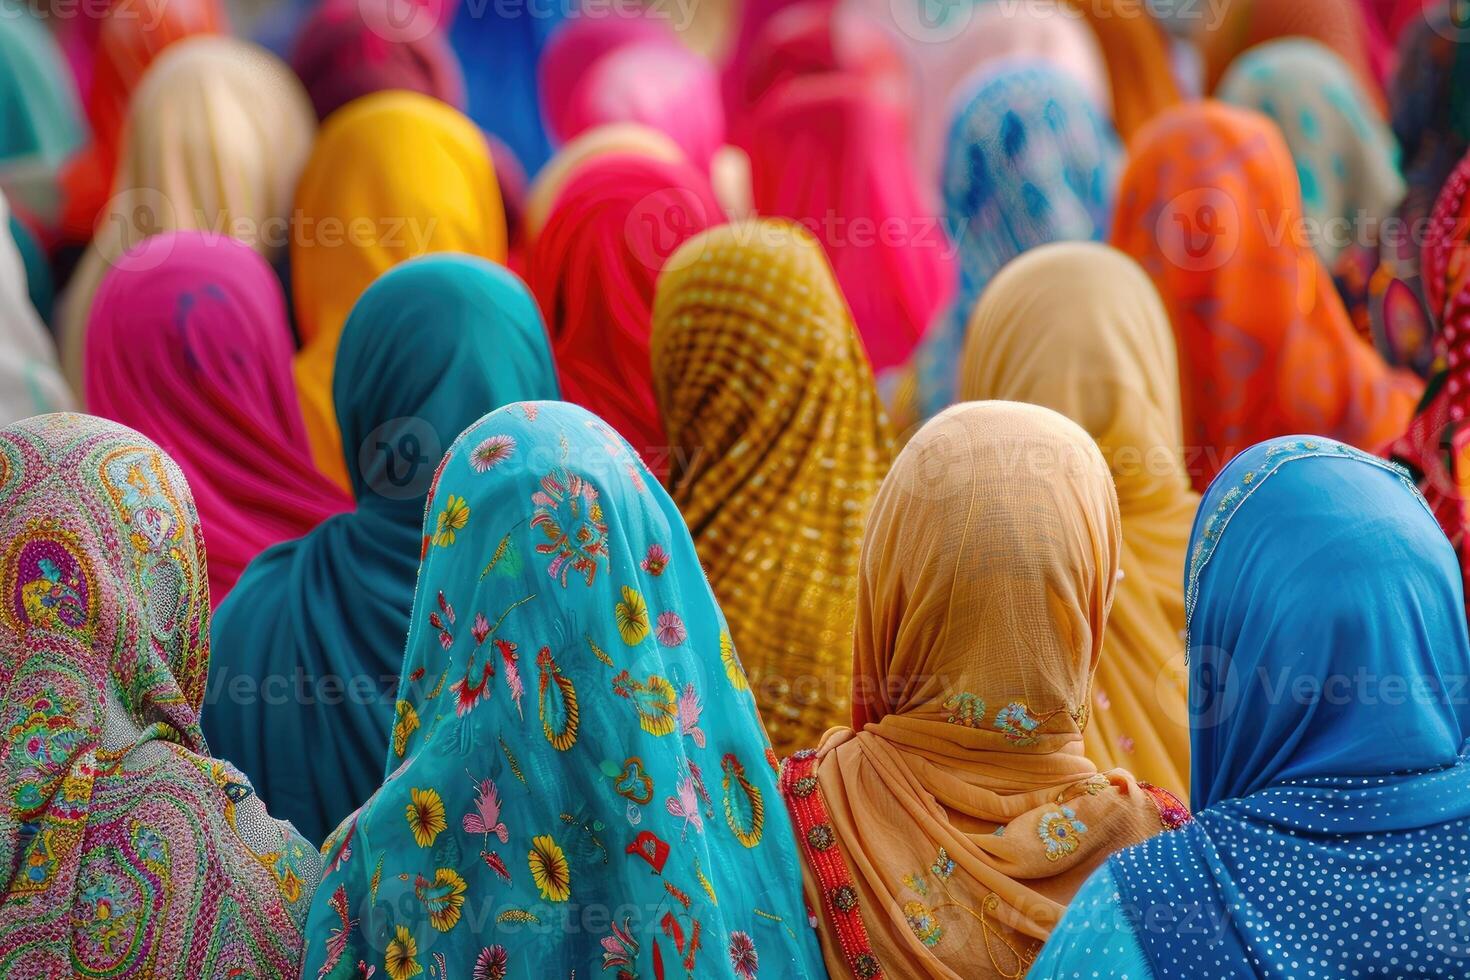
{"x":818,"y":842}
{"x":1173,"y":814}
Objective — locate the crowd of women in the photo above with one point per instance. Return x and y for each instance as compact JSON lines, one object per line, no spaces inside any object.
{"x":744,"y":488}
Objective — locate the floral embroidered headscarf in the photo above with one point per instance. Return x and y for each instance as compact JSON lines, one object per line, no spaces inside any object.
{"x":577,"y":781}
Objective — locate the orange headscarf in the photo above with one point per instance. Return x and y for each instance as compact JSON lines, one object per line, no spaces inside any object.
{"x":1245,"y":23}
{"x":1133,"y":45}
{"x":1211,"y":208}
{"x":962,"y":807}
{"x":394,"y":175}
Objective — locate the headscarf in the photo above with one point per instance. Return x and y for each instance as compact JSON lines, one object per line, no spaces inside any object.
{"x":1080,"y":329}
{"x":40,"y":286}
{"x":961,"y":807}
{"x":614,"y":139}
{"x":778,"y":443}
{"x":1136,"y":49}
{"x":429,"y":347}
{"x":30,"y":380}
{"x":1210,"y":207}
{"x":1242,"y":24}
{"x":342,"y":53}
{"x":129,"y":36}
{"x":829,"y":152}
{"x":575,"y":733}
{"x":593,"y":269}
{"x":394,"y":175}
{"x":217,"y":135}
{"x":133,"y":851}
{"x":1332,"y":836}
{"x":188,"y":342}
{"x":40,"y":116}
{"x":1030,"y":161}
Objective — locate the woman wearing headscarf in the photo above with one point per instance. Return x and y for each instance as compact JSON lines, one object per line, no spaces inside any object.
{"x":1332,"y":827}
{"x":394,"y":175}
{"x":1080,"y":329}
{"x":217,"y":135}
{"x":828,"y":152}
{"x":129,"y":36}
{"x":1136,"y":50}
{"x":946,"y":830}
{"x":188,"y":343}
{"x":40,"y":117}
{"x":593,"y":269}
{"x":342,"y":53}
{"x":778,"y":444}
{"x":30,"y":379}
{"x":1030,"y":161}
{"x":499,"y":46}
{"x":612,"y":139}
{"x":574,"y":732}
{"x":316,"y":625}
{"x":1346,"y":158}
{"x":1211,"y":208}
{"x":134,"y":851}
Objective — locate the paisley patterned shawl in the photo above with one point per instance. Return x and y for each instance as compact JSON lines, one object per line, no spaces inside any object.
{"x":577,"y":781}
{"x":131,"y":852}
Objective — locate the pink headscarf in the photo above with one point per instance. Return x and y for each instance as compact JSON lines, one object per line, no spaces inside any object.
{"x":828,"y":153}
{"x":610,"y":71}
{"x":188,"y":343}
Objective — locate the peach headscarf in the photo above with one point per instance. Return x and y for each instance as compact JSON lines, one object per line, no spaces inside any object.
{"x":1211,"y":208}
{"x":1079,"y":328}
{"x":393,"y":176}
{"x":961,"y":800}
{"x":1139,"y":69}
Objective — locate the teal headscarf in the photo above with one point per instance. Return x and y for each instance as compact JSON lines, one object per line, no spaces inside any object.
{"x":578,"y":780}
{"x":307,"y":647}
{"x":40,"y":117}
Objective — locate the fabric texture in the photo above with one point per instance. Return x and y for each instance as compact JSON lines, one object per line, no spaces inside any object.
{"x":828,"y":152}
{"x":1080,"y":329}
{"x":1093,"y":940}
{"x":393,"y":176}
{"x":778,"y":444}
{"x":612,"y":139}
{"x":961,"y":799}
{"x":41,"y":122}
{"x":1030,"y":161}
{"x":342,"y":53}
{"x":1315,"y":566}
{"x":1211,"y":208}
{"x":574,"y":732}
{"x":593,"y":269}
{"x":1140,"y":68}
{"x":30,"y":378}
{"x":316,"y":625}
{"x":217,"y":135}
{"x":188,"y":343}
{"x":499,"y":48}
{"x":134,"y":852}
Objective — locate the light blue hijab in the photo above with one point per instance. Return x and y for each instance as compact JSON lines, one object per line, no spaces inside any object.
{"x":1329,"y":706}
{"x":578,"y":780}
{"x":307,"y":646}
{"x":1030,"y":161}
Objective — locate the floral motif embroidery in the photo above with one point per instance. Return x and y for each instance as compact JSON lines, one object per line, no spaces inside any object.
{"x":670,"y":630}
{"x":442,"y":898}
{"x":454,"y":517}
{"x":656,"y":560}
{"x":745,"y":811}
{"x":549,"y":869}
{"x":425,"y":815}
{"x":557,"y":702}
{"x":485,"y":818}
{"x":733,"y":668}
{"x":570,"y":516}
{"x":1060,"y":831}
{"x":965,"y":709}
{"x":743,"y":959}
{"x":658,"y":714}
{"x":1018,"y":724}
{"x":401,"y":958}
{"x":492,"y":964}
{"x":922,"y":921}
{"x":943,"y":865}
{"x":47,"y":582}
{"x":492,"y":451}
{"x":1173,"y":814}
{"x":620,"y":950}
{"x":405,"y":724}
{"x":631,"y":615}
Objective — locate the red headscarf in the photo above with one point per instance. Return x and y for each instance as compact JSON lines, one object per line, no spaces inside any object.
{"x":593,"y":269}
{"x":829,"y":153}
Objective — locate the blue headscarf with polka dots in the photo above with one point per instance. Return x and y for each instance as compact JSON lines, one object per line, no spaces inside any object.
{"x":1329,"y":707}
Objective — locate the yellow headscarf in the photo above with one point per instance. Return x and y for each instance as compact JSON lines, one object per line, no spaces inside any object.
{"x":1080,"y":329}
{"x":215,"y":139}
{"x":393,"y":176}
{"x":778,"y":444}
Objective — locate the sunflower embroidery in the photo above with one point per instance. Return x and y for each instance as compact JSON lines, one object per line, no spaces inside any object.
{"x":549,"y":869}
{"x":454,"y":517}
{"x":443,"y":897}
{"x":425,"y":815}
{"x":733,"y":669}
{"x":494,"y":450}
{"x":402,"y":956}
{"x":631,"y":615}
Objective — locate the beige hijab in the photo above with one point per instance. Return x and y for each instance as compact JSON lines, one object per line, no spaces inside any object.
{"x":1079,"y":328}
{"x":961,"y":801}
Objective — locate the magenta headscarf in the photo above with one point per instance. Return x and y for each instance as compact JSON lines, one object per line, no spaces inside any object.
{"x":188,"y":343}
{"x":831,"y":154}
{"x":610,"y":70}
{"x":345,"y":51}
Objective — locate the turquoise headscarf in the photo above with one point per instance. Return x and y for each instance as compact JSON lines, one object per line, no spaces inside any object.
{"x":578,"y":780}
{"x":308,"y":645}
{"x":1030,"y":161}
{"x":40,"y":117}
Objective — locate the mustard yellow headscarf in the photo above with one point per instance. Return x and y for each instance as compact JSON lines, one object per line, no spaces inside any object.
{"x":1080,"y":329}
{"x":393,"y":176}
{"x":778,"y":444}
